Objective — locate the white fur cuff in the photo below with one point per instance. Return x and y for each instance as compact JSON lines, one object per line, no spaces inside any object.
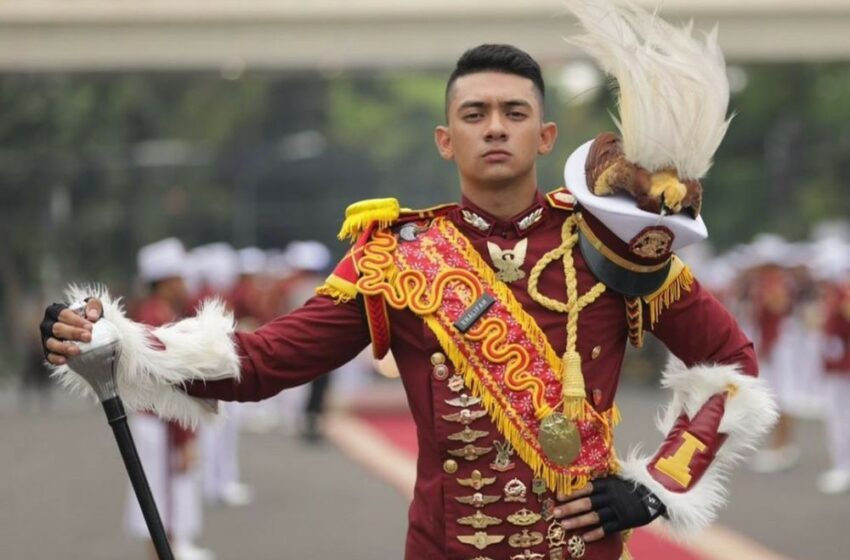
{"x":199,"y":348}
{"x":749,"y":414}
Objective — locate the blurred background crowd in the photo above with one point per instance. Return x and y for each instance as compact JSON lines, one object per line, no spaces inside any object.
{"x":234,"y":170}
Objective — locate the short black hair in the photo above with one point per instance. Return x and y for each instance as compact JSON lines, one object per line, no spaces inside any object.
{"x":497,"y":58}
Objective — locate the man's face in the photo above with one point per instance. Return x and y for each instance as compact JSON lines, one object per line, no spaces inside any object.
{"x":495,"y":128}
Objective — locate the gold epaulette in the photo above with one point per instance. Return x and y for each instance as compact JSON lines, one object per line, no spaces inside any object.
{"x":679,"y":280}
{"x":384,"y":211}
{"x":360,"y":215}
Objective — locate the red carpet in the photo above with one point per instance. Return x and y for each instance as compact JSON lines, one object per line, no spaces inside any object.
{"x":398,"y":430}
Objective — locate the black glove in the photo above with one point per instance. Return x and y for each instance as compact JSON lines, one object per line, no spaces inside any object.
{"x":51,"y":317}
{"x":622,"y":504}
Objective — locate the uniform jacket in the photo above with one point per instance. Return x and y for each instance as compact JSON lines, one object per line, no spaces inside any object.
{"x":324,"y":334}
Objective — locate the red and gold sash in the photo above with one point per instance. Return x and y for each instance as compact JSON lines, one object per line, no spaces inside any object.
{"x":505,"y":358}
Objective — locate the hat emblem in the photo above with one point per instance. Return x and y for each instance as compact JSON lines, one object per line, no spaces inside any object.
{"x":653,"y":242}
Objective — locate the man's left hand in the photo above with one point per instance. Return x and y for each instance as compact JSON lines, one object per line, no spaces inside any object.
{"x":608,"y":505}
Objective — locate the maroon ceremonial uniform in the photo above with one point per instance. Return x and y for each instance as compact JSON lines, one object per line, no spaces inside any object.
{"x":836,"y":331}
{"x":323,"y":335}
{"x":773,"y":299}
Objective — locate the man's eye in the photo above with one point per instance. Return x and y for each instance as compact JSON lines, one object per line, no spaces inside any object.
{"x":517,"y":115}
{"x":472,"y":116}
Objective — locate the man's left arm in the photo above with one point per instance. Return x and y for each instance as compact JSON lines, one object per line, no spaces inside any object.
{"x":719,"y":409}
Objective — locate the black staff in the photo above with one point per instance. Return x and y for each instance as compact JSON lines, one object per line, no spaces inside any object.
{"x":96,"y":364}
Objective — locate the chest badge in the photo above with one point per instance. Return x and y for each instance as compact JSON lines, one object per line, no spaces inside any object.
{"x":508,"y":261}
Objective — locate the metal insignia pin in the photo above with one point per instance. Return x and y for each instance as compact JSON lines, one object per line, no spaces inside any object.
{"x":456,"y":383}
{"x":525,"y":539}
{"x":468,"y":435}
{"x":538,"y":487}
{"x":556,"y":535}
{"x":465,"y":416}
{"x":503,"y":462}
{"x":515,"y":491}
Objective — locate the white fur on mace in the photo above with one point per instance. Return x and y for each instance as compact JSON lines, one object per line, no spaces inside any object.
{"x":673,"y":88}
{"x":199,"y":348}
{"x":749,"y":415}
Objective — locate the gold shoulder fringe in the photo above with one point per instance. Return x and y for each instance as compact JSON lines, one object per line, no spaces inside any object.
{"x":680,"y":279}
{"x":359,"y":215}
{"x":338,"y":289}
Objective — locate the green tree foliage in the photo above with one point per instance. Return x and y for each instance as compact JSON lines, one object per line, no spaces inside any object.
{"x":94,"y":166}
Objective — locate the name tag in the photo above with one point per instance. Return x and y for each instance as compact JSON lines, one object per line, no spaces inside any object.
{"x":475,"y":311}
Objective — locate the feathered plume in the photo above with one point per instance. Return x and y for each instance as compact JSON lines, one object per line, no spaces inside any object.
{"x":673,"y":89}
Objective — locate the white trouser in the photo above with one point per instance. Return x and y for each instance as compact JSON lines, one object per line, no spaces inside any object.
{"x":220,"y":451}
{"x":177,"y":496}
{"x":838,"y":419}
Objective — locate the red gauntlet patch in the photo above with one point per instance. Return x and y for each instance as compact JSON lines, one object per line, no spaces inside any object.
{"x":690,"y":447}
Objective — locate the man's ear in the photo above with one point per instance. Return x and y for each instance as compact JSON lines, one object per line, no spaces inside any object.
{"x":548,"y":135}
{"x":443,"y":140}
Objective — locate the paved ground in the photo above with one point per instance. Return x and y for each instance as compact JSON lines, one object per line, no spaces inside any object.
{"x":63,"y":489}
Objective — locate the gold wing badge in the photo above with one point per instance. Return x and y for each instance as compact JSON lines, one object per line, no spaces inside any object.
{"x":508,"y":261}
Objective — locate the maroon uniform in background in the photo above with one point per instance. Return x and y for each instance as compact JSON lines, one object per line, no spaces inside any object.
{"x":324,"y":334}
{"x":836,"y":330}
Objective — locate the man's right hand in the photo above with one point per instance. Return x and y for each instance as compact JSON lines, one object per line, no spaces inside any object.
{"x":62,"y":327}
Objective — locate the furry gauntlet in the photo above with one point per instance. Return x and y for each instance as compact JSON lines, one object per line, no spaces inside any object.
{"x":155,"y":362}
{"x":716,"y":415}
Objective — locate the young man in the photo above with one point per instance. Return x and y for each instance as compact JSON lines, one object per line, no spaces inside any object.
{"x":508,"y":316}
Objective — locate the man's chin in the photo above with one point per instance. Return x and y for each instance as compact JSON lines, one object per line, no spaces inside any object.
{"x":498,"y":178}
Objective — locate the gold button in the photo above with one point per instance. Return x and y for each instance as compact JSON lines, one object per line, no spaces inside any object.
{"x":596,"y":351}
{"x":450,"y":466}
{"x":441,"y":372}
{"x":438,"y":358}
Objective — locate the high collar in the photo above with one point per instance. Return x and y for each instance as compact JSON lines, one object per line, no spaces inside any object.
{"x":475,"y":220}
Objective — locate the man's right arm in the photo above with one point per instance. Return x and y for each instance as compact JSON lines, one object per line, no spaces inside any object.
{"x":161,"y":369}
{"x":291,"y":350}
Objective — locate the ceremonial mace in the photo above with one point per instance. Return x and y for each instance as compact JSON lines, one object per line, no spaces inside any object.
{"x":96,"y":364}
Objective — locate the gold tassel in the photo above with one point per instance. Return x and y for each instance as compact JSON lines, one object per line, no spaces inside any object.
{"x":573,"y":389}
{"x":670,"y":294}
{"x":384,"y":211}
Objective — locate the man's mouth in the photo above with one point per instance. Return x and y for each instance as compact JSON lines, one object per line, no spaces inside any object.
{"x":496,"y":156}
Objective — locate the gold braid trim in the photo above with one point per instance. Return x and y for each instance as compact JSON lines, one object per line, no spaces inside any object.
{"x":560,"y":481}
{"x":680,"y":279}
{"x":634,"y":317}
{"x":573,"y":388}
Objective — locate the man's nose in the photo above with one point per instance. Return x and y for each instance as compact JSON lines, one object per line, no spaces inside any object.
{"x":496,"y":129}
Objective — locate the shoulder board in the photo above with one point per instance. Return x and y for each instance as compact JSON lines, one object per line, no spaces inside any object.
{"x":562,"y":199}
{"x":432,"y":212}
{"x":381,"y":213}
